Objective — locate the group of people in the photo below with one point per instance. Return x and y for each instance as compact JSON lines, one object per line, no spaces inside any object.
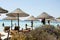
{"x":4,"y":24}
{"x":44,"y":21}
{"x":16,"y":26}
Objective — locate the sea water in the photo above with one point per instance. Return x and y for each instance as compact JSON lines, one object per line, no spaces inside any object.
{"x":22,"y":23}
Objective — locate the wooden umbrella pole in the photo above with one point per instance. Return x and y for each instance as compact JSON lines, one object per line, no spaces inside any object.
{"x":11,"y":24}
{"x":32,"y":24}
{"x":18,"y":20}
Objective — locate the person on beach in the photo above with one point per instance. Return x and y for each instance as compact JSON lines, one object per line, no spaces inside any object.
{"x":32,"y":24}
{"x":15,"y":24}
{"x":26,"y":26}
{"x":3,"y":24}
{"x":43,"y":21}
{"x":49,"y":22}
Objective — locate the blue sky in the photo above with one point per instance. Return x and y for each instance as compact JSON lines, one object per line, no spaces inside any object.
{"x":32,"y":7}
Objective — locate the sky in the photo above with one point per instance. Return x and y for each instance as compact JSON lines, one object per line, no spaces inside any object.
{"x":32,"y":7}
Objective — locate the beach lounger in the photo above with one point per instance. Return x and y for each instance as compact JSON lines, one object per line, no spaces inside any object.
{"x":6,"y":28}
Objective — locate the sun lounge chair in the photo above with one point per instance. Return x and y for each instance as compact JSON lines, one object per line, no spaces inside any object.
{"x":13,"y":31}
{"x":6,"y":28}
{"x":25,"y":31}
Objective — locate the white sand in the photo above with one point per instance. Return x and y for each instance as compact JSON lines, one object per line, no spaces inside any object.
{"x":5,"y":35}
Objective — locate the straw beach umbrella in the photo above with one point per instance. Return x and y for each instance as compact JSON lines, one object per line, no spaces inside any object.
{"x":51,"y":18}
{"x":17,"y":13}
{"x":3,"y":10}
{"x":58,"y":18}
{"x":43,"y":16}
{"x":10,"y":18}
{"x":31,"y":18}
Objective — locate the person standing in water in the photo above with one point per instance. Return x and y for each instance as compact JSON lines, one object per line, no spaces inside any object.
{"x":43,"y":21}
{"x":49,"y":22}
{"x":3,"y":24}
{"x":15,"y":24}
{"x":26,"y":26}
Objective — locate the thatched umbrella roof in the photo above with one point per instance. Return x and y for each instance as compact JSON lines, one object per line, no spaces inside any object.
{"x":58,"y":18}
{"x":17,"y":12}
{"x":43,"y":15}
{"x":3,"y":10}
{"x":10,"y":18}
{"x":31,"y":18}
{"x":51,"y":18}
